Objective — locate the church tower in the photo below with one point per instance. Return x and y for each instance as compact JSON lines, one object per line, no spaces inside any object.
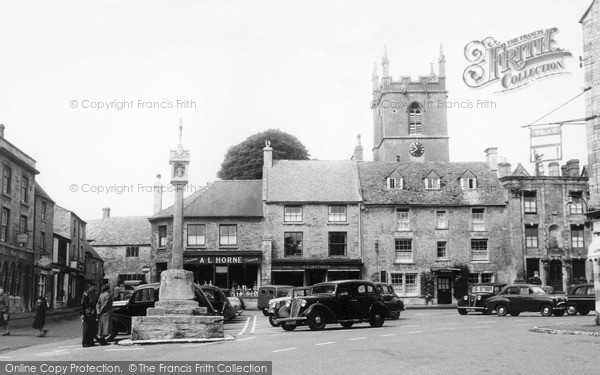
{"x":409,"y":117}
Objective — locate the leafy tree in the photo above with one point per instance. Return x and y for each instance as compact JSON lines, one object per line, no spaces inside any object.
{"x":244,"y":161}
{"x":461,"y":281}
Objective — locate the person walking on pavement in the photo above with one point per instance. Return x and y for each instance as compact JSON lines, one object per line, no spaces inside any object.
{"x":104,"y":309}
{"x":4,"y":310}
{"x":87,"y":311}
{"x":41,"y":306}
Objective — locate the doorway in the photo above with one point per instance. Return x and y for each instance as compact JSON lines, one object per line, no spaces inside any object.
{"x":555,"y":277}
{"x":444,"y":290}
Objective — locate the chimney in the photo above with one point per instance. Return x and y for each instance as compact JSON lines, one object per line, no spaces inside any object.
{"x":358,"y":150}
{"x":2,"y":127}
{"x":106,"y":213}
{"x":563,"y":171}
{"x":158,"y":193}
{"x":504,"y":169}
{"x":573,"y":168}
{"x":491,"y":154}
{"x":267,"y":165}
{"x":554,"y":169}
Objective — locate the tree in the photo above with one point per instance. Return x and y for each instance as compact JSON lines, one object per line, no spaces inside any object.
{"x":461,"y":281}
{"x":244,"y":161}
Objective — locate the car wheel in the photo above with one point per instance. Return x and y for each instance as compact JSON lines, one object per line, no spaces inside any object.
{"x":463,"y":311}
{"x":559,"y":312}
{"x":347,"y":324}
{"x":584,"y":311}
{"x":376,"y":318}
{"x":316,"y":320}
{"x":273,"y":322}
{"x":515,"y":313}
{"x":395,"y":316}
{"x":546,"y":310}
{"x":501,"y":310}
{"x":289,"y":328}
{"x":572,"y":310}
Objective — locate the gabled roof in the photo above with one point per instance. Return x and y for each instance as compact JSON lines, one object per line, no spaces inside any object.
{"x":520,"y":171}
{"x":62,"y":221}
{"x":374,"y":189}
{"x":225,"y":198}
{"x":587,"y":11}
{"x":313,"y":181}
{"x":39,"y":191}
{"x":90,"y":250}
{"x":119,"y":231}
{"x":467,"y":174}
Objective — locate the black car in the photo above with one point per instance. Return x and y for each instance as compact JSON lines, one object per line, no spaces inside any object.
{"x":515,"y":299}
{"x":582,"y":299}
{"x":475,"y":300}
{"x":393,"y":302}
{"x":345,"y":302}
{"x":143,"y":297}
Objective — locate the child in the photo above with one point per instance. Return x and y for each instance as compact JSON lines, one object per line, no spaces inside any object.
{"x":40,"y":316}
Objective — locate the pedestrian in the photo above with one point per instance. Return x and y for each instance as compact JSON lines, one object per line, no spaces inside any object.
{"x":4,"y":310}
{"x":536,"y":278}
{"x":87,"y":311}
{"x":104,"y":309}
{"x":39,"y":322}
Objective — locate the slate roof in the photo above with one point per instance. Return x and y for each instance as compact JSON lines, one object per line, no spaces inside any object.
{"x":374,"y":187}
{"x":119,"y":231}
{"x":224,"y":198}
{"x":89,"y":249}
{"x":313,"y":181}
{"x":62,"y":221}
{"x":39,"y":191}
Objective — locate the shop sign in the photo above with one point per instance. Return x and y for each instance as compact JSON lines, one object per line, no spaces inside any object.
{"x":213,"y":259}
{"x":145,"y":269}
{"x":315,"y":266}
{"x":22,"y":238}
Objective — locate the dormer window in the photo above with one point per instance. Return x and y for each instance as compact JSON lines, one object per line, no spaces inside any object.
{"x":468,"y":181}
{"x":395,"y":183}
{"x":414,"y":119}
{"x":432,"y":181}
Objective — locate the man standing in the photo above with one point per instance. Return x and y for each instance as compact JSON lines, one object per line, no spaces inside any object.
{"x":88,"y":315}
{"x":4,"y":310}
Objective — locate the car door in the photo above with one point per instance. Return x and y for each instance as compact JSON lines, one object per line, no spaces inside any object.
{"x":512,"y":296}
{"x":341,"y":305}
{"x":525,"y":300}
{"x":141,"y":300}
{"x":361,"y":303}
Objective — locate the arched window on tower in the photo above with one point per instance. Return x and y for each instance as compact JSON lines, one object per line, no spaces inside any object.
{"x":414,"y":119}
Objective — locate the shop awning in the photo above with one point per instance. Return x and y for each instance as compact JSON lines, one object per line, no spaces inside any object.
{"x":306,"y":264}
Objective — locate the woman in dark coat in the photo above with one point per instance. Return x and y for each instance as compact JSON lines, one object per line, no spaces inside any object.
{"x":41,"y":306}
{"x":104,"y":309}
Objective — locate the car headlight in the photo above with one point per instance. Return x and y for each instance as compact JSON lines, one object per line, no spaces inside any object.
{"x":478,"y":298}
{"x":466,"y":298}
{"x":288,"y":303}
{"x":271,"y":304}
{"x":302,"y":303}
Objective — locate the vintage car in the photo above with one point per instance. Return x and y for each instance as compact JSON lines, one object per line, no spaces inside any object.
{"x":268,"y":292}
{"x":478,"y":295}
{"x":393,"y":302}
{"x":277,"y":306}
{"x":142,"y":298}
{"x":345,"y":302}
{"x":581,"y":299}
{"x":515,"y":299}
{"x":220,"y":302}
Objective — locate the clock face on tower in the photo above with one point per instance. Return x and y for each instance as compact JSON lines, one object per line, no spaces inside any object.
{"x":416,"y":149}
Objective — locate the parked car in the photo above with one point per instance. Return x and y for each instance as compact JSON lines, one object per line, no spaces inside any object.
{"x":515,"y":299}
{"x":478,"y":295}
{"x":221,"y":302}
{"x":581,"y":299}
{"x":235,"y":300}
{"x":278,"y":307}
{"x":345,"y":302}
{"x":268,"y":292}
{"x":393,"y":302}
{"x":142,"y":298}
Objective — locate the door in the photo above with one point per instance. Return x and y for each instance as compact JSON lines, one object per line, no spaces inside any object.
{"x":556,"y":275}
{"x":444,"y":291}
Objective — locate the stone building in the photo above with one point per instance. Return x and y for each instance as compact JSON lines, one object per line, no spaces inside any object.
{"x":43,"y":228}
{"x":93,"y":265}
{"x":17,"y":224}
{"x":312,"y":220}
{"x":548,"y":224}
{"x":222,"y":227}
{"x":124,"y":245}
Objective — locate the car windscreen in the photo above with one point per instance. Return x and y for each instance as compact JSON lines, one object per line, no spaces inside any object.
{"x":284,"y":292}
{"x":482,"y":289}
{"x":537,"y":290}
{"x":323,"y":289}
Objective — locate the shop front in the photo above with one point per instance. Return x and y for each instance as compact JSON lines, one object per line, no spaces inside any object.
{"x":233,"y":270}
{"x":301,"y":272}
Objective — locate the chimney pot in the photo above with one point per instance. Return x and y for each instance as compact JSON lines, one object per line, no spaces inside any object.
{"x":2,"y":127}
{"x":491,"y":154}
{"x":573,"y":168}
{"x":158,"y":193}
{"x":504,"y":169}
{"x":554,"y":169}
{"x":106,"y":213}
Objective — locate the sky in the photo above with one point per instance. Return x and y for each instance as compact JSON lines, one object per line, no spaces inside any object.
{"x":232,"y":69}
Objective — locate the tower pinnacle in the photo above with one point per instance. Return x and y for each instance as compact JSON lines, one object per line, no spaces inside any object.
{"x":442,"y":62}
{"x":385,"y":63}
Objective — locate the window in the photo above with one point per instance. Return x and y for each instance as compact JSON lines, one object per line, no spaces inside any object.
{"x":432,"y":183}
{"x":529,"y":202}
{"x":473,"y":278}
{"x":478,"y":220}
{"x":292,"y":213}
{"x":44,"y":207}
{"x":468,"y":183}
{"x":42,"y":285}
{"x":402,"y":219}
{"x":43,"y":240}
{"x":23,"y":224}
{"x":337,"y":243}
{"x":577,"y":206}
{"x":414,"y":119}
{"x":6,"y":179}
{"x":441,"y":250}
{"x":531,"y":235}
{"x":405,"y":283}
{"x":196,"y":234}
{"x":441,"y":221}
{"x":4,"y":232}
{"x":395,"y":182}
{"x":162,"y":236}
{"x":132,"y":251}
{"x":24,"y":189}
{"x":404,"y":253}
{"x":337,"y":213}
{"x":487,"y":277}
{"x":577,"y":236}
{"x":479,"y":249}
{"x":292,"y":242}
{"x":228,"y":234}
